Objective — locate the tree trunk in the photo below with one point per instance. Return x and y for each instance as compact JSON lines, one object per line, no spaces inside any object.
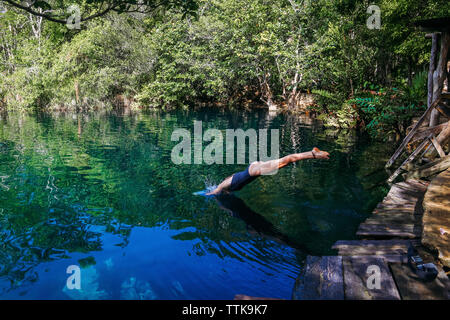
{"x":434,"y":41}
{"x":266,"y":91}
{"x":439,"y":75}
{"x":77,"y":92}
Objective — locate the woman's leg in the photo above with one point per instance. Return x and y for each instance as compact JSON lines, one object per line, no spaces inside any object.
{"x":270,"y":167}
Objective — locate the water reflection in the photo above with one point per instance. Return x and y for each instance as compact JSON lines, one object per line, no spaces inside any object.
{"x":256,"y":224}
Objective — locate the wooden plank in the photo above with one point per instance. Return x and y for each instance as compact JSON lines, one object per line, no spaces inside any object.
{"x":400,"y":192}
{"x":416,"y":215}
{"x":388,"y":249}
{"x":384,"y":206}
{"x":409,"y":136}
{"x":392,"y":242}
{"x":320,"y":279}
{"x":413,"y":288}
{"x":391,"y":219}
{"x":430,"y":168}
{"x":394,"y":212}
{"x":417,"y":187}
{"x":410,"y":158}
{"x":395,"y":201}
{"x":357,"y":279}
{"x":437,"y":146}
{"x":388,"y":231}
{"x":391,"y":257}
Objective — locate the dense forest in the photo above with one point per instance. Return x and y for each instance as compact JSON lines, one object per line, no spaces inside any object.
{"x":226,"y":53}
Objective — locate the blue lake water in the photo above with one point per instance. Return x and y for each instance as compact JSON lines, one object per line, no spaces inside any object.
{"x":99,"y":191}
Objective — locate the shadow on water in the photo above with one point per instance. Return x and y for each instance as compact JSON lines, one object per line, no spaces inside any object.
{"x":102,"y":185}
{"x":256,"y":224}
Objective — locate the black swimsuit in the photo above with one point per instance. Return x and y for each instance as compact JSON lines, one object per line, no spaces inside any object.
{"x":241,"y":179}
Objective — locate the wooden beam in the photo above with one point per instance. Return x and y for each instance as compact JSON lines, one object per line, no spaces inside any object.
{"x":430,"y":168}
{"x":430,"y":35}
{"x":411,"y":134}
{"x":434,"y":24}
{"x":437,"y":146}
{"x":411,"y":157}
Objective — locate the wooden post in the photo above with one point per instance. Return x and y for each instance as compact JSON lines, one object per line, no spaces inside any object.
{"x":439,"y":75}
{"x":437,"y":146}
{"x":434,"y":40}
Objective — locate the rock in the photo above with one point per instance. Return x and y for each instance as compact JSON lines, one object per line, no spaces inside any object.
{"x":437,"y":216}
{"x":133,"y":289}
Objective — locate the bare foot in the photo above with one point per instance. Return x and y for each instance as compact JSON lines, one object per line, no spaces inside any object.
{"x":318,"y":154}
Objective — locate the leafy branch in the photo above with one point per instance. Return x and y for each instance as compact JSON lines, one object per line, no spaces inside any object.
{"x":56,"y":13}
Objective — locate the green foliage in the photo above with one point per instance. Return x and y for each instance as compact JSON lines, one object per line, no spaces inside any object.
{"x":102,"y":61}
{"x":391,"y":110}
{"x":233,"y":52}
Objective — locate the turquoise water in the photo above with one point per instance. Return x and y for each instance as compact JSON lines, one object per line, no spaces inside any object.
{"x":100,"y":191}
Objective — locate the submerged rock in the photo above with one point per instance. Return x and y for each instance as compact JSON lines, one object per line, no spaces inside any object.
{"x":133,"y":289}
{"x":109,"y":264}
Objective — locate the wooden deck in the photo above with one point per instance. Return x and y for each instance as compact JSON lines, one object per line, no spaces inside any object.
{"x":396,"y":224}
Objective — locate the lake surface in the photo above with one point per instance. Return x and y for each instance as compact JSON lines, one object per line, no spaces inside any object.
{"x":100,"y":191}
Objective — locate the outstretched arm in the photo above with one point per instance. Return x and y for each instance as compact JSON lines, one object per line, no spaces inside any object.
{"x":224,"y":185}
